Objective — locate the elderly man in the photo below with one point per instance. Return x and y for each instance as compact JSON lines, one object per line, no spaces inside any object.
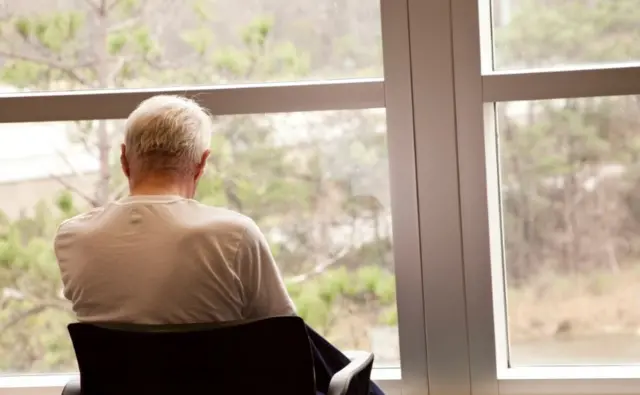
{"x":158,"y":256}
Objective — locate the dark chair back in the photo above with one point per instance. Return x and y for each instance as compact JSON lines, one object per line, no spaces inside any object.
{"x":267,"y":356}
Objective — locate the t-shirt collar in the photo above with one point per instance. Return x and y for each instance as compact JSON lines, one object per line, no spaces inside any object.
{"x":150,"y":199}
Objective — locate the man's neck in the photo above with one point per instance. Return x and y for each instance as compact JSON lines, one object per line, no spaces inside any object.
{"x":157,"y":188}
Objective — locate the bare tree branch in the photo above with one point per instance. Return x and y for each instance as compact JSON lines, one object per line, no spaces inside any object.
{"x":109,"y":7}
{"x":19,"y":317}
{"x":84,"y":137}
{"x":75,"y":190}
{"x":40,"y":306}
{"x":131,"y":22}
{"x":171,"y":65}
{"x":119,"y":193}
{"x":92,"y":5}
{"x":116,"y":69}
{"x":67,"y":69}
{"x":318,"y":269}
{"x":68,"y":162}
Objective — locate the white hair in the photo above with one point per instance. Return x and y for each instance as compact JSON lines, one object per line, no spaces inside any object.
{"x":168,"y":133}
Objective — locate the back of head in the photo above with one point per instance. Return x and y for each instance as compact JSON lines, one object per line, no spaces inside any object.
{"x":167,"y":134}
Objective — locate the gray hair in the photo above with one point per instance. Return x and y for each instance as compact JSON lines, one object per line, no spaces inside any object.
{"x":168,"y":133}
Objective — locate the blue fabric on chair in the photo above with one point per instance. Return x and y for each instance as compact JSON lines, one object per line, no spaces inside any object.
{"x":274,"y":355}
{"x":328,"y":360}
{"x":260,"y":357}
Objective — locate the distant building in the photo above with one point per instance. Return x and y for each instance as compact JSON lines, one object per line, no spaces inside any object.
{"x":38,"y":159}
{"x":33,"y":159}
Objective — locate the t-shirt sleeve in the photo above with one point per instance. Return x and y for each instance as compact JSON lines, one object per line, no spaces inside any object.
{"x":264,"y":291}
{"x":61,"y":243}
{"x":64,"y":247}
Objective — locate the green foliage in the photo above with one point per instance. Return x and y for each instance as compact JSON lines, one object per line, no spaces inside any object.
{"x":291,"y":186}
{"x":200,"y":39}
{"x":323,"y":299}
{"x":389,"y":317}
{"x":301,"y":190}
{"x":554,"y":152}
{"x":52,"y":31}
{"x":569,"y":32}
{"x":65,"y":204}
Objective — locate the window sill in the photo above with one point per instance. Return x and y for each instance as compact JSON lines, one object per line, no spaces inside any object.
{"x":570,"y":380}
{"x":570,"y":372}
{"x":34,"y":384}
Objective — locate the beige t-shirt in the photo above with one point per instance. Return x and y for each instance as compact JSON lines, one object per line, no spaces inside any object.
{"x":168,"y":260}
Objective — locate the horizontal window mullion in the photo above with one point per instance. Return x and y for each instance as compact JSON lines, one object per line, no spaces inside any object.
{"x":552,"y":84}
{"x":219,"y":100}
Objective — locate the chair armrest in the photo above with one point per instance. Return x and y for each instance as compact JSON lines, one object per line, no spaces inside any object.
{"x":72,"y":388}
{"x":339,"y":384}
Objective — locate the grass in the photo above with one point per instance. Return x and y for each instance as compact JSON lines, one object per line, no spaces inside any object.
{"x":594,"y":303}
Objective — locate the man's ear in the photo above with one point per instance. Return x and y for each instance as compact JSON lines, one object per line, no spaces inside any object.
{"x":123,"y":160}
{"x":202,"y":164}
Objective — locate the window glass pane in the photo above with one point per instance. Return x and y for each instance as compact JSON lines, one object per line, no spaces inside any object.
{"x":570,"y":187}
{"x":93,"y":44}
{"x":557,"y":33}
{"x":316,"y":183}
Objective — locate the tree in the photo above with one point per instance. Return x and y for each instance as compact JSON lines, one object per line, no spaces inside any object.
{"x":303,"y":199}
{"x":564,"y":142}
{"x":569,"y":168}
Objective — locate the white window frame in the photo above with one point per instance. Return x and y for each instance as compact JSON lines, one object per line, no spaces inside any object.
{"x":477,"y":89}
{"x":439,"y":94}
{"x":393,"y":93}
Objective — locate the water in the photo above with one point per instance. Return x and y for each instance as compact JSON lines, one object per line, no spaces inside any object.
{"x":614,"y":349}
{"x":603,"y":349}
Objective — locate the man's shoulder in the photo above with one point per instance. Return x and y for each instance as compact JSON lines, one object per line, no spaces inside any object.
{"x":71,"y":229}
{"x":79,"y":220}
{"x":219,"y":219}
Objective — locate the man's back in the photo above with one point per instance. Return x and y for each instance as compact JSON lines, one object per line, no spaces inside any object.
{"x":166,"y":259}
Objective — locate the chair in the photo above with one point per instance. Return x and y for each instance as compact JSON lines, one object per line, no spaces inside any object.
{"x":265,"y":356}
